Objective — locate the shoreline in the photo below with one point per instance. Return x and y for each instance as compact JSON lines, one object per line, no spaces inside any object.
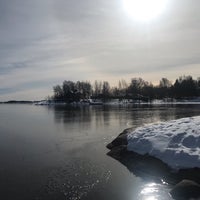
{"x":182,"y":180}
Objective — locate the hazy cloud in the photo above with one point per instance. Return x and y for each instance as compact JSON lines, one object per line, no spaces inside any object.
{"x":45,"y":42}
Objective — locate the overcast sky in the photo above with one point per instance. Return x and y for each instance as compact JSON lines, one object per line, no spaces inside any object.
{"x":44,"y":42}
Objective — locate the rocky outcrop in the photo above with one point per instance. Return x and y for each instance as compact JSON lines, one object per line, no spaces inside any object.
{"x":140,"y":165}
{"x":185,"y":181}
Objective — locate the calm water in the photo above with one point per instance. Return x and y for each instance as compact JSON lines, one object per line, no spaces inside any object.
{"x":60,"y":152}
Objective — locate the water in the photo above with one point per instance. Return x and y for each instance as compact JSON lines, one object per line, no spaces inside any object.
{"x":59,"y":153}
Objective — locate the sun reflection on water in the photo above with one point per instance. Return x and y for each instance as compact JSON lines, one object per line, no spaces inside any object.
{"x":151,"y":198}
{"x":153,"y":191}
{"x":150,"y":188}
{"x":149,"y":192}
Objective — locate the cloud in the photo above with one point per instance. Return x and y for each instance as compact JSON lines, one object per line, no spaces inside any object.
{"x":27,"y":95}
{"x":45,"y":42}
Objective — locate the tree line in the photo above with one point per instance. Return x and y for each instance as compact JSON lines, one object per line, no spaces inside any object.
{"x":137,"y":89}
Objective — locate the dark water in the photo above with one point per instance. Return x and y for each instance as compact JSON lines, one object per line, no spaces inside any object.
{"x":60,"y":152}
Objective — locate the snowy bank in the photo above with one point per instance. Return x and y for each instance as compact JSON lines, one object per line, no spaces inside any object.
{"x":176,"y":142}
{"x":150,"y":152}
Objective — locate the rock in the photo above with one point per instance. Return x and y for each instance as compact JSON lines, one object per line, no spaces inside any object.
{"x":121,"y":139}
{"x":185,"y":190}
{"x":150,"y":167}
{"x":189,"y":174}
{"x":118,"y":152}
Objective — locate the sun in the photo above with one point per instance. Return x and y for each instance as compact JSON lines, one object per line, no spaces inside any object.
{"x":144,"y":10}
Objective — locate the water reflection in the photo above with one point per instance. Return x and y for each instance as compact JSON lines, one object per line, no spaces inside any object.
{"x":153,"y":191}
{"x":58,"y":152}
{"x":69,"y":114}
{"x":148,"y":168}
{"x":149,"y":192}
{"x":127,"y":116}
{"x":74,"y":181}
{"x":83,"y":115}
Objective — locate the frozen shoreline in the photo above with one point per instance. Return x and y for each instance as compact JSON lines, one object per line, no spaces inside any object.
{"x":116,"y":102}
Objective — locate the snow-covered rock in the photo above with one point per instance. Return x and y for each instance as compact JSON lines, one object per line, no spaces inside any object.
{"x":176,"y":142}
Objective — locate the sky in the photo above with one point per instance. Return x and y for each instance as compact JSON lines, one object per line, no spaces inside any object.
{"x":44,"y":42}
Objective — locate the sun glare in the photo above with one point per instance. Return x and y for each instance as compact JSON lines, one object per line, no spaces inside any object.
{"x":144,"y":10}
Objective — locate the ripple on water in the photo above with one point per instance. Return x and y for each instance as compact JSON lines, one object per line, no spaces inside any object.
{"x":75,"y":181}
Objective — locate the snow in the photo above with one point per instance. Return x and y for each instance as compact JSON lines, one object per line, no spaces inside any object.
{"x":177,"y":142}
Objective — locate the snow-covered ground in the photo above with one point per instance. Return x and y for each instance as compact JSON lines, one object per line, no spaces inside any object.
{"x":176,"y":142}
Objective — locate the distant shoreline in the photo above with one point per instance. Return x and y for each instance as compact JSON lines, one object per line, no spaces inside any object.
{"x":110,"y":102}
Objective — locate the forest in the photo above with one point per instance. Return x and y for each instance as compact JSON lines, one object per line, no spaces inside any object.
{"x":184,"y":87}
